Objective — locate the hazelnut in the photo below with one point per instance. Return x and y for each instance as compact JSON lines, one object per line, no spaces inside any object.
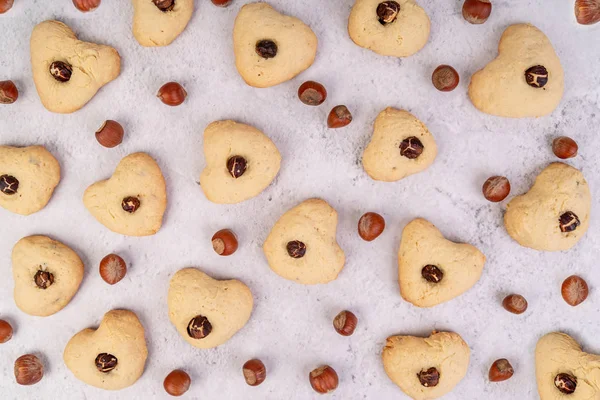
{"x":266,"y":48}
{"x":564,"y":147}
{"x":387,"y":12}
{"x":296,"y":249}
{"x":6,"y":331}
{"x":221,"y":3}
{"x":476,"y":11}
{"x":411,"y":148}
{"x":496,"y":188}
{"x":43,"y":279}
{"x":339,"y":117}
{"x":370,"y":226}
{"x":236,"y":165}
{"x":445,"y":78}
{"x":312,"y":93}
{"x":164,"y":5}
{"x":568,"y":222}
{"x":86,"y":5}
{"x":536,"y":76}
{"x":177,"y":382}
{"x":8,"y":92}
{"x":172,"y":94}
{"x":112,"y":269}
{"x":130,"y":204}
{"x":110,"y":134}
{"x":587,"y":12}
{"x":430,"y":377}
{"x":29,"y":370}
{"x":515,"y":303}
{"x":254,"y":372}
{"x":323,"y":379}
{"x":345,"y":323}
{"x":565,"y":383}
{"x":5,"y":5}
{"x":574,"y":290}
{"x":106,"y":362}
{"x":61,"y":71}
{"x":199,"y":327}
{"x":9,"y":184}
{"x":224,"y":242}
{"x":501,"y":370}
{"x":432,"y":274}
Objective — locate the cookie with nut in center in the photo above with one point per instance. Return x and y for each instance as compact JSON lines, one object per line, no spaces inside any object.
{"x":160,"y":22}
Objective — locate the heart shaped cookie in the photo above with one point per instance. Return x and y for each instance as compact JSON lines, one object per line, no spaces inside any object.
{"x":564,"y":371}
{"x":525,"y":80}
{"x":271,"y":48}
{"x":401,"y":146}
{"x":432,"y":269}
{"x":159,"y":22}
{"x":302,"y":245}
{"x":426,"y":368}
{"x":28,"y":176}
{"x":241,"y":162}
{"x":133,"y":201}
{"x":47,"y":275}
{"x":68,"y":72}
{"x":555,"y":214}
{"x":207,"y":312}
{"x":391,"y":28}
{"x":111,"y":357}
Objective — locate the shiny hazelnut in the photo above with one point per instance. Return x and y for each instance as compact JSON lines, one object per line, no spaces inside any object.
{"x":515,"y":303}
{"x":254,"y":372}
{"x":296,"y":249}
{"x":312,"y":93}
{"x":565,"y":383}
{"x":106,"y":362}
{"x":574,"y":290}
{"x":564,"y":147}
{"x":370,"y":226}
{"x":429,"y":377}
{"x":29,"y":370}
{"x":8,"y":92}
{"x":501,"y":370}
{"x":112,"y":269}
{"x":6,"y":331}
{"x":224,"y":242}
{"x":587,"y":12}
{"x":445,"y":78}
{"x":5,"y":5}
{"x":110,"y":134}
{"x":172,"y":94}
{"x":536,"y":76}
{"x":221,"y":3}
{"x":496,"y":188}
{"x":339,"y":117}
{"x":568,"y":222}
{"x":431,"y":273}
{"x":387,"y":12}
{"x":130,"y":204}
{"x":177,"y":382}
{"x":266,"y":48}
{"x":236,"y":165}
{"x":86,"y":5}
{"x":345,"y":323}
{"x":324,"y":379}
{"x":411,"y":147}
{"x":477,"y":11}
{"x":164,"y":5}
{"x":199,"y":327}
{"x":61,"y":71}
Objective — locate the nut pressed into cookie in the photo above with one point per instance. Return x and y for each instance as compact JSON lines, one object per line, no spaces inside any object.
{"x":111,"y":357}
{"x":133,"y":201}
{"x":159,"y":22}
{"x":426,"y":368}
{"x":401,"y":146}
{"x":47,"y":275}
{"x":555,"y":214}
{"x":302,"y":245}
{"x":241,"y":162}
{"x":391,"y":28}
{"x":271,"y":48}
{"x":28,"y":176}
{"x":525,"y":80}
{"x":432,"y":269}
{"x":68,"y":72}
{"x":207,"y":312}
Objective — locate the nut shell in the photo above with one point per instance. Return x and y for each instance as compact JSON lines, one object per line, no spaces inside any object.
{"x":445,"y":78}
{"x":339,"y":117}
{"x":501,"y":370}
{"x":112,"y":269}
{"x":8,"y":92}
{"x":172,"y":94}
{"x":515,"y":303}
{"x":312,"y":93}
{"x":496,"y":188}
{"x":5,"y":5}
{"x":324,"y":379}
{"x":110,"y":134}
{"x":86,"y":5}
{"x":574,"y":290}
{"x":370,"y":226}
{"x":177,"y":382}
{"x":476,"y":11}
{"x":6,"y":331}
{"x":224,"y":242}
{"x":587,"y":12}
{"x":29,"y":370}
{"x":221,"y":3}
{"x":254,"y":372}
{"x":564,"y":147}
{"x":345,"y":323}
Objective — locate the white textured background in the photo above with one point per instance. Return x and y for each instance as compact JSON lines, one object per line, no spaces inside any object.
{"x":290,"y":328}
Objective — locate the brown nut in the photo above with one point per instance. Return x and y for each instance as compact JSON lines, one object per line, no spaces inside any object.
{"x":177,"y":382}
{"x":339,"y":117}
{"x":345,"y":323}
{"x":5,"y":5}
{"x":266,"y":48}
{"x":312,"y":93}
{"x":370,"y":226}
{"x":110,"y":134}
{"x":8,"y":92}
{"x":296,"y":249}
{"x":236,"y":165}
{"x":587,"y":12}
{"x":387,"y":12}
{"x":501,"y":370}
{"x":61,"y":71}
{"x":431,"y":273}
{"x":224,"y":242}
{"x":172,"y":94}
{"x":411,"y":147}
{"x":86,"y":5}
{"x":199,"y":327}
{"x":254,"y":372}
{"x":565,"y":383}
{"x":496,"y":188}
{"x":164,"y":5}
{"x":515,"y":303}
{"x":324,"y":379}
{"x":221,"y":3}
{"x":29,"y":370}
{"x":574,"y":290}
{"x":106,"y":362}
{"x":564,"y":147}
{"x":130,"y":204}
{"x":6,"y":331}
{"x":476,"y":11}
{"x":112,"y":269}
{"x":445,"y":78}
{"x":429,"y":377}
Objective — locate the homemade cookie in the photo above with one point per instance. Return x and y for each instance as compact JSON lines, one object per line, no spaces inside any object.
{"x":207,"y":312}
{"x":28,"y":176}
{"x":564,"y":371}
{"x":426,"y":368}
{"x":302,"y":245}
{"x":271,"y":48}
{"x":390,"y":28}
{"x":68,"y":72}
{"x":432,"y":269}
{"x":554,"y":214}
{"x":133,"y":201}
{"x":111,"y":357}
{"x":525,"y":80}
{"x":159,"y":22}
{"x":240,"y":162}
{"x":47,"y":275}
{"x":401,"y":146}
